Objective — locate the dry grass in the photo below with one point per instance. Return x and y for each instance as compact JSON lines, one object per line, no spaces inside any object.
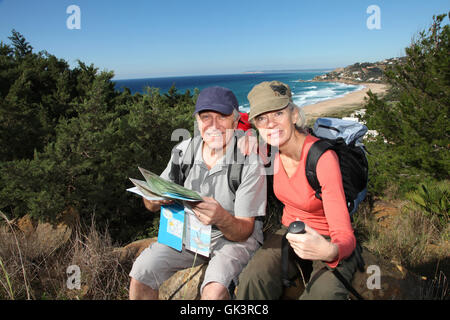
{"x":103,"y":275}
{"x":27,"y":271}
{"x":412,"y":240}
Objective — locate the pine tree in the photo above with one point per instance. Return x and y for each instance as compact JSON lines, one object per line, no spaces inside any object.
{"x":416,"y":124}
{"x":21,"y":46}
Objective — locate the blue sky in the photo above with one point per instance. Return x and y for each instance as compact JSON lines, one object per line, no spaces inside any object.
{"x":147,"y":38}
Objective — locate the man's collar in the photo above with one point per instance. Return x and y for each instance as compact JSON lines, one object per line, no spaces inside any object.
{"x":223,"y":161}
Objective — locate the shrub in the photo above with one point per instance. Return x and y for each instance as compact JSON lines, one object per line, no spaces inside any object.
{"x":433,"y":200}
{"x":416,"y":124}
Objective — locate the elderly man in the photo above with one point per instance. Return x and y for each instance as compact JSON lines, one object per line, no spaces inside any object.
{"x":236,"y":232}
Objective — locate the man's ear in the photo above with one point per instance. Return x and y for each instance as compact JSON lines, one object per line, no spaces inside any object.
{"x":236,"y":123}
{"x":198,"y":122}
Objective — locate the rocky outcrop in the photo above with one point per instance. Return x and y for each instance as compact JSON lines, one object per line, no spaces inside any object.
{"x":382,"y":280}
{"x":385,"y":280}
{"x":183,"y":285}
{"x":133,"y":250}
{"x":38,"y":238}
{"x":360,"y":72}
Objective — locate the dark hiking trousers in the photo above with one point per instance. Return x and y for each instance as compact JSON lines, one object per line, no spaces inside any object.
{"x":262,"y":278}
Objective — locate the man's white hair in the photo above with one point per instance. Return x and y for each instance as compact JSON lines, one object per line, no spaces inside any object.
{"x":236,"y":115}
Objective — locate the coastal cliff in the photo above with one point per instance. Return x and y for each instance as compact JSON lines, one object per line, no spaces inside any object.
{"x":360,"y":72}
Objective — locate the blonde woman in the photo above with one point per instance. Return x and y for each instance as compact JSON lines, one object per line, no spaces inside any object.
{"x":329,"y":241}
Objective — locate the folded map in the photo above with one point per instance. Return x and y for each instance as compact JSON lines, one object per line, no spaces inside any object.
{"x":156,"y":188}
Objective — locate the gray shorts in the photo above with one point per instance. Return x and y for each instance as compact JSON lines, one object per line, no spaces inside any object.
{"x":158,"y":262}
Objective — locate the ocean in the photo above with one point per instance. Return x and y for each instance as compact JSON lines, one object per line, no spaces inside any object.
{"x":303,"y":93}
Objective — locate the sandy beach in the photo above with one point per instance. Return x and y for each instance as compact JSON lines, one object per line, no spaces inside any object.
{"x":349,"y":101}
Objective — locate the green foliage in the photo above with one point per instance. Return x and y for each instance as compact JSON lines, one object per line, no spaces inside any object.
{"x":413,"y":120}
{"x":69,"y":140}
{"x":433,"y":199}
{"x":36,"y":90}
{"x":22,"y":47}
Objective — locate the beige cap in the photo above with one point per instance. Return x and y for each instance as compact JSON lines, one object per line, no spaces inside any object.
{"x":268,"y":96}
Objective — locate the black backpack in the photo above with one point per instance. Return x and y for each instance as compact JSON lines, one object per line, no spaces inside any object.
{"x":344,"y":137}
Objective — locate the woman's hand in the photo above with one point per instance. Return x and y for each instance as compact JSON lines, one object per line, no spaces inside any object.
{"x":155,"y":205}
{"x":311,"y":245}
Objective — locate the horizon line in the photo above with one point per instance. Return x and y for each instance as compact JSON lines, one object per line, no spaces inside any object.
{"x":233,"y":73}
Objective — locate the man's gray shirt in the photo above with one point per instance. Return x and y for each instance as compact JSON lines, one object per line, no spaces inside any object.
{"x":251,"y":196}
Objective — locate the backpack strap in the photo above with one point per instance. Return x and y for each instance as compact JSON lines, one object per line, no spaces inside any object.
{"x":346,"y":284}
{"x":235,"y":171}
{"x":191,"y":151}
{"x":183,"y":160}
{"x":234,"y":176}
{"x":315,"y":152}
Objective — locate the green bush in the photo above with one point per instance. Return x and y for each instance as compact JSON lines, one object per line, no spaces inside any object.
{"x":96,"y":142}
{"x":433,"y":199}
{"x":413,"y":125}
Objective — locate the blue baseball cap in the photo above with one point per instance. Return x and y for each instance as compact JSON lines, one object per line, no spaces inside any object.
{"x":218,"y":99}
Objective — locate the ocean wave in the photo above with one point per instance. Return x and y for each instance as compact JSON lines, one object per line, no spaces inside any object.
{"x":332,"y":91}
{"x":245,"y":108}
{"x":315,"y":94}
{"x":344,"y":85}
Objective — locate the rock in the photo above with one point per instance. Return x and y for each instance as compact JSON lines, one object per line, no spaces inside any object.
{"x":395,"y":282}
{"x":48,"y":237}
{"x":183,"y":285}
{"x":133,"y":250}
{"x":41,"y":238}
{"x":25,"y":224}
{"x":385,"y":212}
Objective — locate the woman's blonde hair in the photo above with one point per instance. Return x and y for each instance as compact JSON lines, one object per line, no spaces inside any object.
{"x":301,"y":121}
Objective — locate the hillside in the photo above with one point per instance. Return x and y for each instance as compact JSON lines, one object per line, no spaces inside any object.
{"x":360,"y":72}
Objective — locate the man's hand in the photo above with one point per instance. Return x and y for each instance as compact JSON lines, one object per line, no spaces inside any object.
{"x":311,"y":245}
{"x":155,"y":205}
{"x":209,"y":211}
